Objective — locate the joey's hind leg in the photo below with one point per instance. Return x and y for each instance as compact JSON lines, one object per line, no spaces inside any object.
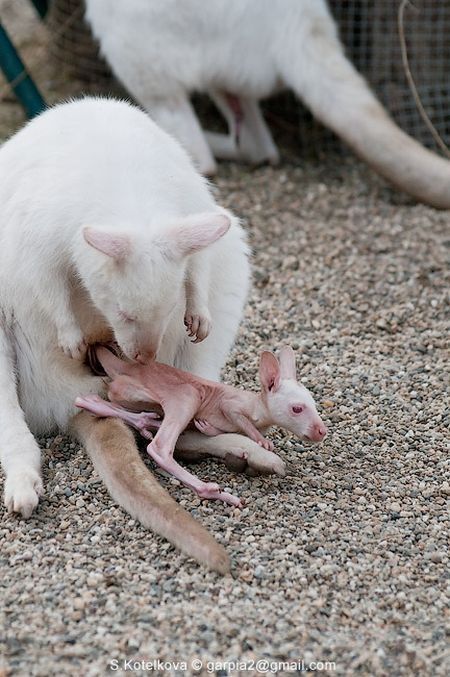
{"x":176,"y":418}
{"x":142,"y":421}
{"x":207,"y":490}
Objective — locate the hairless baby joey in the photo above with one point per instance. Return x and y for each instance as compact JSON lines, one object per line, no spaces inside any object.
{"x":156,"y":396}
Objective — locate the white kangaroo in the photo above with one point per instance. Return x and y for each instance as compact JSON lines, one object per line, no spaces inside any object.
{"x":102,"y":218}
{"x":240,"y":51}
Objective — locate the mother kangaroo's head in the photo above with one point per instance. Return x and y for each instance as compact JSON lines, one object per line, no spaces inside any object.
{"x":136,"y":279}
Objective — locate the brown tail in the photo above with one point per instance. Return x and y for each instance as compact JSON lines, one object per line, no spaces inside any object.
{"x":342,"y":100}
{"x":115,"y":456}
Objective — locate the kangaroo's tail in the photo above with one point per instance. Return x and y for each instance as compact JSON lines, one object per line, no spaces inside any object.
{"x":326,"y":81}
{"x":115,"y":456}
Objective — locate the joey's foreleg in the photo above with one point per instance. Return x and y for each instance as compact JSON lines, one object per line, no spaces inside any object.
{"x":246,"y":426}
{"x":142,"y":421}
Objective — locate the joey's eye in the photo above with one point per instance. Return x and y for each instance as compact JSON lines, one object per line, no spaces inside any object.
{"x":297,"y":409}
{"x":125,"y":317}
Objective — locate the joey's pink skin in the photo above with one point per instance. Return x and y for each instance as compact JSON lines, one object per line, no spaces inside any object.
{"x":213,"y":408}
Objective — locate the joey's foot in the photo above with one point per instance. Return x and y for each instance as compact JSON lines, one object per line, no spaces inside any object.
{"x":22,"y":491}
{"x":266,"y":444}
{"x":206,"y":428}
{"x":212,"y":492}
{"x":72,"y":343}
{"x":198,"y":325}
{"x":144,"y":421}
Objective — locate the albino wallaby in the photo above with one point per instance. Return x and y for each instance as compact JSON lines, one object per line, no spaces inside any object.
{"x":101,"y":215}
{"x":213,"y":408}
{"x":240,"y":51}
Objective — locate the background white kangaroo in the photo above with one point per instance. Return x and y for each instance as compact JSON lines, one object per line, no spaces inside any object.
{"x":240,"y":51}
{"x":102,"y":212}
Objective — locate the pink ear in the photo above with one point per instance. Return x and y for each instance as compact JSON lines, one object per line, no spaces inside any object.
{"x":197,"y":231}
{"x":269,"y":372}
{"x":287,"y":363}
{"x":117,"y":247}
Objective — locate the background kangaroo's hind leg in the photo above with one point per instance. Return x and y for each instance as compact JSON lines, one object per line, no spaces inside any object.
{"x":177,"y":116}
{"x":19,"y":452}
{"x":249,"y":137}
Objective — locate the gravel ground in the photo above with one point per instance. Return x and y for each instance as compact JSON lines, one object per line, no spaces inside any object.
{"x":345,"y":559}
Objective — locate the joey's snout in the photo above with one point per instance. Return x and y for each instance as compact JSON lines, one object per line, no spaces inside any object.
{"x":144,"y":351}
{"x":145,"y":356}
{"x":140,"y":354}
{"x":317,"y":432}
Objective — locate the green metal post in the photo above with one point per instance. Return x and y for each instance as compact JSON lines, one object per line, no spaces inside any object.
{"x":16,"y":74}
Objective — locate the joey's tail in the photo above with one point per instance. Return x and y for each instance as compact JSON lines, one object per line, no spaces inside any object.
{"x":114,"y":454}
{"x":110,"y":362}
{"x":326,"y":81}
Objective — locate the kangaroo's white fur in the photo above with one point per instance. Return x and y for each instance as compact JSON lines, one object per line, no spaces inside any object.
{"x":163,"y":50}
{"x":82,"y":179}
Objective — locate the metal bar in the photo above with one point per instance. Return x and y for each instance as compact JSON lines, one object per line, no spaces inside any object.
{"x":18,"y":77}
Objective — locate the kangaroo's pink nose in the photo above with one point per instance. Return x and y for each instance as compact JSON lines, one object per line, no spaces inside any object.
{"x":318,"y":432}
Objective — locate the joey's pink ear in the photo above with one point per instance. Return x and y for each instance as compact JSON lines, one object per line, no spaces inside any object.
{"x":269,"y":372}
{"x":287,"y":363}
{"x":197,"y":231}
{"x":116,"y":246}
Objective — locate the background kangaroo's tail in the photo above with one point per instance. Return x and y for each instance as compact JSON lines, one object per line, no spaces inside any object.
{"x":115,"y":456}
{"x":322,"y":76}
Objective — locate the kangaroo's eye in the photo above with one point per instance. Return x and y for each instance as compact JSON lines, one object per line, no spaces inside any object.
{"x":125,"y":317}
{"x":297,"y":409}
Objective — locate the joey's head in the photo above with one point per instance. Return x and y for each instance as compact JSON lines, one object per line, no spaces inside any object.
{"x":137,"y":281}
{"x":289,"y":404}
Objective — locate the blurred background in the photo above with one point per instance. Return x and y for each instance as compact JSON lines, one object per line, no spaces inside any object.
{"x":63,"y":59}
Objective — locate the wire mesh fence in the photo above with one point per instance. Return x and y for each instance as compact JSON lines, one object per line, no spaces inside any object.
{"x":369,"y":31}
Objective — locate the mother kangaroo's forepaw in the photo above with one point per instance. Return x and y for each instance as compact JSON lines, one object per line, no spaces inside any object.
{"x":73,"y":343}
{"x":198,"y":325}
{"x":22,"y":491}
